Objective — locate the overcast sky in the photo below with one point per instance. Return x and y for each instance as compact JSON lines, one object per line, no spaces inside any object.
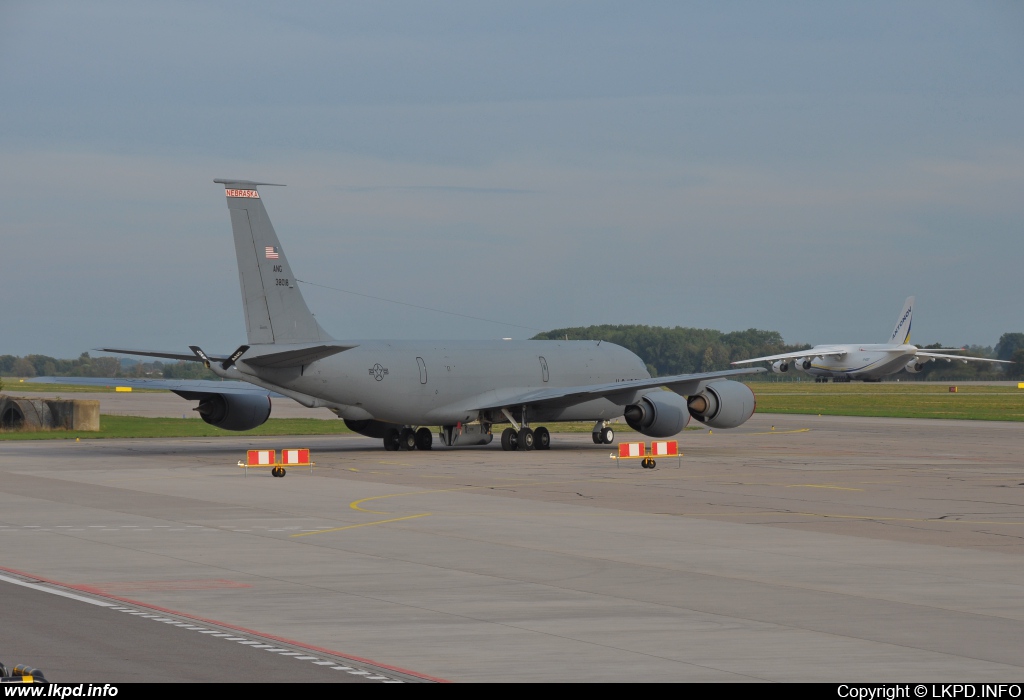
{"x":793,"y":166}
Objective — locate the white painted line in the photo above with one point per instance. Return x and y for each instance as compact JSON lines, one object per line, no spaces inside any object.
{"x":261,"y":646}
{"x":377,"y":678}
{"x":306,"y":658}
{"x":360,"y":673}
{"x":291,"y":653}
{"x":275,"y":649}
{"x":393,"y":681}
{"x":208,"y":632}
{"x":236,"y":639}
{"x":323,"y":663}
{"x":55,"y":591}
{"x":342,"y":668}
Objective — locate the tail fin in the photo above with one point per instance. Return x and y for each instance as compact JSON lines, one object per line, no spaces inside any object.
{"x":275,"y":311}
{"x":901,"y":333}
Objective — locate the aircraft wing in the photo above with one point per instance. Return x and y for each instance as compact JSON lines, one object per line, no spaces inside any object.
{"x":186,"y":388}
{"x":684,"y":384}
{"x":965,"y":358}
{"x":813,"y":352}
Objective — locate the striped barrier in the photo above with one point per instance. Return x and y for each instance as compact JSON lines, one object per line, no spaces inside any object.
{"x":638,"y":450}
{"x":268,"y":458}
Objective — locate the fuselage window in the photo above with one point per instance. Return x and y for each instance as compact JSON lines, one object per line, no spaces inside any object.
{"x":544,"y":368}
{"x":423,"y":370}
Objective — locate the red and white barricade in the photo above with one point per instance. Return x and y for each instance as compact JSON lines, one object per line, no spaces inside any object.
{"x":268,"y":458}
{"x":632,"y":450}
{"x":666,"y":448}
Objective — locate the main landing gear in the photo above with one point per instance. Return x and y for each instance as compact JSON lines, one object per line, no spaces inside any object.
{"x":522,"y":437}
{"x":525,"y":439}
{"x":408,"y":439}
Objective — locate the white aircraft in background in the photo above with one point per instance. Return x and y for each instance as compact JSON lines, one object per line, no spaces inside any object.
{"x":868,"y":363}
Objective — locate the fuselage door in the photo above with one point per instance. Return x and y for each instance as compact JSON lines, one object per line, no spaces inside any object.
{"x":544,"y":368}
{"x":423,"y":370}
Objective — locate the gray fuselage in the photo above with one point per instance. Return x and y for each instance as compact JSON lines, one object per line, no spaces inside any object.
{"x":444,"y":382}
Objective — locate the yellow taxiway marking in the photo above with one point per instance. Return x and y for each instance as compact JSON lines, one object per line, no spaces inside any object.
{"x":349,"y":527}
{"x":823,"y":486}
{"x":779,"y":432}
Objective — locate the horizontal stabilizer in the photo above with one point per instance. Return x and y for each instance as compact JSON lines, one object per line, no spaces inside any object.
{"x":294,"y":355}
{"x":188,"y":357}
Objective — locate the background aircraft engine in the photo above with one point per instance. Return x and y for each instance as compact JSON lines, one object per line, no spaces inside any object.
{"x":724,"y":404}
{"x":371,"y":428}
{"x":914,"y":366}
{"x":804,"y":363}
{"x":780,"y":367}
{"x":659,"y":414}
{"x":234,"y":411}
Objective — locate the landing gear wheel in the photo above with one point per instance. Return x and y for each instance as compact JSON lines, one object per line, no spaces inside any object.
{"x":407,"y":439}
{"x":391,"y":440}
{"x":424,"y":439}
{"x":596,"y":437}
{"x":509,"y":439}
{"x":525,"y":439}
{"x":607,"y":436}
{"x":541,"y":439}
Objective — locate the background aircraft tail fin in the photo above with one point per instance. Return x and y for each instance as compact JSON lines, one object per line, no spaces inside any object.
{"x":275,"y":311}
{"x":901,"y":333}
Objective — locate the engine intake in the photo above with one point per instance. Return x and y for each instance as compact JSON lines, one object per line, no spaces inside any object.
{"x":723,"y":404}
{"x":780,"y":367}
{"x":234,"y":411}
{"x":659,"y":414}
{"x":914,"y":366}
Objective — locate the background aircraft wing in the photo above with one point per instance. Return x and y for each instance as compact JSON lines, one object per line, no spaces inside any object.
{"x":621,"y":392}
{"x":186,"y":388}
{"x":813,"y":352}
{"x":965,"y":358}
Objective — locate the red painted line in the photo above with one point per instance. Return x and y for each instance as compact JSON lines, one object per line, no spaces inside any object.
{"x":169,"y":611}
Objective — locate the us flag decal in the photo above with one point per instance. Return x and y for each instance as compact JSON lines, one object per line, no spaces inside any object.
{"x":272,"y":252}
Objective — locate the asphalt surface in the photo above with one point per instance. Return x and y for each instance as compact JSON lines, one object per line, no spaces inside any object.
{"x":795,"y":548}
{"x":73,"y":641}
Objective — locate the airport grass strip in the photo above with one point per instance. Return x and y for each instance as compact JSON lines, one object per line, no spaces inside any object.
{"x":139,"y":427}
{"x":891,"y":400}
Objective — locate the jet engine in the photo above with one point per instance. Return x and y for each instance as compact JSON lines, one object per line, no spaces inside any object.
{"x":803,"y":364}
{"x":723,"y":404}
{"x":914,"y":366}
{"x":780,"y":367}
{"x":659,"y":414}
{"x":371,"y":428}
{"x":234,"y":411}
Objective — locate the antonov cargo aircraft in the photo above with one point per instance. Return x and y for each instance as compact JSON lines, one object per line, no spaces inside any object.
{"x":868,"y":363}
{"x":393,"y":389}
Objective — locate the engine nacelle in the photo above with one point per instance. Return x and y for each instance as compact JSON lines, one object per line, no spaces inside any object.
{"x":802,"y":363}
{"x":914,"y":366}
{"x":234,"y":411}
{"x":660,"y":414}
{"x":723,"y":404}
{"x":371,"y":428}
{"x":780,"y":367}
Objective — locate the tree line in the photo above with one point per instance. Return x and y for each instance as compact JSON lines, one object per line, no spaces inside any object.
{"x":665,"y":351}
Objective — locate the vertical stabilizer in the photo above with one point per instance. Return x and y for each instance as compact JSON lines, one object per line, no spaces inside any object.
{"x":901,"y":333}
{"x":275,"y":311}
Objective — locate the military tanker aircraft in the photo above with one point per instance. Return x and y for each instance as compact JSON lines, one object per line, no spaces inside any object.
{"x":396,"y":390}
{"x":865,"y":362}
